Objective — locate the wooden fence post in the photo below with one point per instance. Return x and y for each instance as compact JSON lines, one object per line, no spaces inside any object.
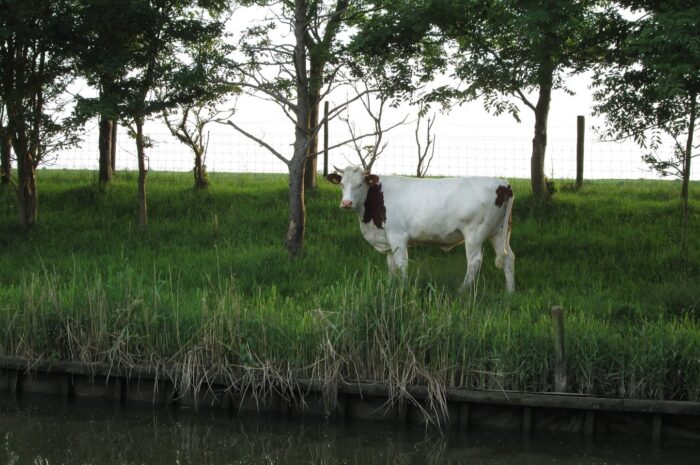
{"x":559,"y":354}
{"x":580,"y":133}
{"x":325,"y":139}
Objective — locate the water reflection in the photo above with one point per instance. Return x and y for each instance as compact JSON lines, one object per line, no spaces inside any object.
{"x":48,"y":432}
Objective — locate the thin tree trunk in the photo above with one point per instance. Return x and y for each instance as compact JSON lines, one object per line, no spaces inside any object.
{"x":113,"y":145}
{"x":297,"y":208}
{"x":539,"y":141}
{"x":105,"y":138}
{"x":27,"y":151}
{"x":23,"y":75}
{"x":140,"y":150}
{"x":317,"y":60}
{"x":5,"y":155}
{"x":310,"y":181}
{"x":22,"y":144}
{"x":200,"y":171}
{"x":27,"y":199}
{"x":105,"y":148}
{"x":686,"y":172}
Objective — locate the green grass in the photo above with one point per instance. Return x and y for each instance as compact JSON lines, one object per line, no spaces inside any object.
{"x":210,"y":285}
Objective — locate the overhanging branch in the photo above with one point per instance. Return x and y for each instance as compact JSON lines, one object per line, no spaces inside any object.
{"x":256,"y":139}
{"x":353,"y":139}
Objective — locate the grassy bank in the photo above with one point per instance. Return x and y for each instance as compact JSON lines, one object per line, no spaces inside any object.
{"x":209,"y":285}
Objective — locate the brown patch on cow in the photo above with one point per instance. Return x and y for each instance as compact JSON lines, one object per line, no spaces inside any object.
{"x":503,"y":193}
{"x":372,"y":180}
{"x":375,"y":210}
{"x":335,"y":178}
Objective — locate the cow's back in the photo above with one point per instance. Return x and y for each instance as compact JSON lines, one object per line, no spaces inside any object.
{"x":438,"y":210}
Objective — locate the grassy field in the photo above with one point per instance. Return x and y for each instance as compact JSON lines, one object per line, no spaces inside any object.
{"x":210,"y":287}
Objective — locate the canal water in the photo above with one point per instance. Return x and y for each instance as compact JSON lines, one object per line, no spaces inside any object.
{"x":40,"y":431}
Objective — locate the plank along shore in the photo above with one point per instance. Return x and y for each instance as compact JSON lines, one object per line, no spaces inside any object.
{"x":527,"y":411}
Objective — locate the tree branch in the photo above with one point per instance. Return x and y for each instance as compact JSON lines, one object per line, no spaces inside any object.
{"x":370,"y":134}
{"x":521,"y":96}
{"x":256,"y":139}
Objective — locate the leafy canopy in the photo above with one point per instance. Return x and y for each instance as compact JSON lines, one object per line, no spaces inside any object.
{"x":647,"y":87}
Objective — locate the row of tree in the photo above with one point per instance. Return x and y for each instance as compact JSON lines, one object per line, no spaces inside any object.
{"x":139,"y":57}
{"x":145,"y":58}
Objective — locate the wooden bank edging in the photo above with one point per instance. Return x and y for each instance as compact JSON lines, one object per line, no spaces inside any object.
{"x":588,"y":405}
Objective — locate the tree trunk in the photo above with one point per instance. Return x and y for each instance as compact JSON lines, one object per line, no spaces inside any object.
{"x":5,"y":155}
{"x":318,"y":57}
{"x":113,"y":145}
{"x":297,"y":208}
{"x":27,"y":198}
{"x":143,"y":171}
{"x":539,"y":141}
{"x":310,"y":181}
{"x":105,"y":148}
{"x":317,"y":61}
{"x":200,"y":171}
{"x":688,"y":155}
{"x":316,"y":64}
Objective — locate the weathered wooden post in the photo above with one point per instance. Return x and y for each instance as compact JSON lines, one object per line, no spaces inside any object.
{"x":325,"y":139}
{"x":559,"y":354}
{"x":580,"y":133}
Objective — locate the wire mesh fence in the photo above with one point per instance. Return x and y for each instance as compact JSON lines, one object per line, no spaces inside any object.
{"x":487,"y":152}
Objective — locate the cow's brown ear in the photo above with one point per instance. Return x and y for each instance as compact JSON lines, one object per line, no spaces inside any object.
{"x":335,"y":178}
{"x":372,"y":180}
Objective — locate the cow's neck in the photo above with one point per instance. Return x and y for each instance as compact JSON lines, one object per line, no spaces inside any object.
{"x":374,"y":209}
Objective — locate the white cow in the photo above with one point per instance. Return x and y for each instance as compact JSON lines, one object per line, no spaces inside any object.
{"x":396,"y":212}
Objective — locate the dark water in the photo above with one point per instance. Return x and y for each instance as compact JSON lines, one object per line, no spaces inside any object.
{"x":50,"y":432}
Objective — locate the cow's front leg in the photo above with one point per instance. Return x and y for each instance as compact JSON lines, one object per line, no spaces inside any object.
{"x":397,"y":258}
{"x":391,"y":263}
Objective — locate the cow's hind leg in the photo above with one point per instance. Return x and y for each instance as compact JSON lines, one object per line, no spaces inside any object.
{"x":474,"y":256}
{"x":509,"y":270}
{"x":504,"y":258}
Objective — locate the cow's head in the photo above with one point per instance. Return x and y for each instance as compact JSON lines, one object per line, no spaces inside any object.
{"x":355,"y":182}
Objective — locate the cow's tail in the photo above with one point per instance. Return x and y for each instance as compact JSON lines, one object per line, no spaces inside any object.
{"x":506,"y":227}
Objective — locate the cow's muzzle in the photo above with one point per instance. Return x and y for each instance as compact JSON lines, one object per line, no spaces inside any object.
{"x":346,"y":204}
